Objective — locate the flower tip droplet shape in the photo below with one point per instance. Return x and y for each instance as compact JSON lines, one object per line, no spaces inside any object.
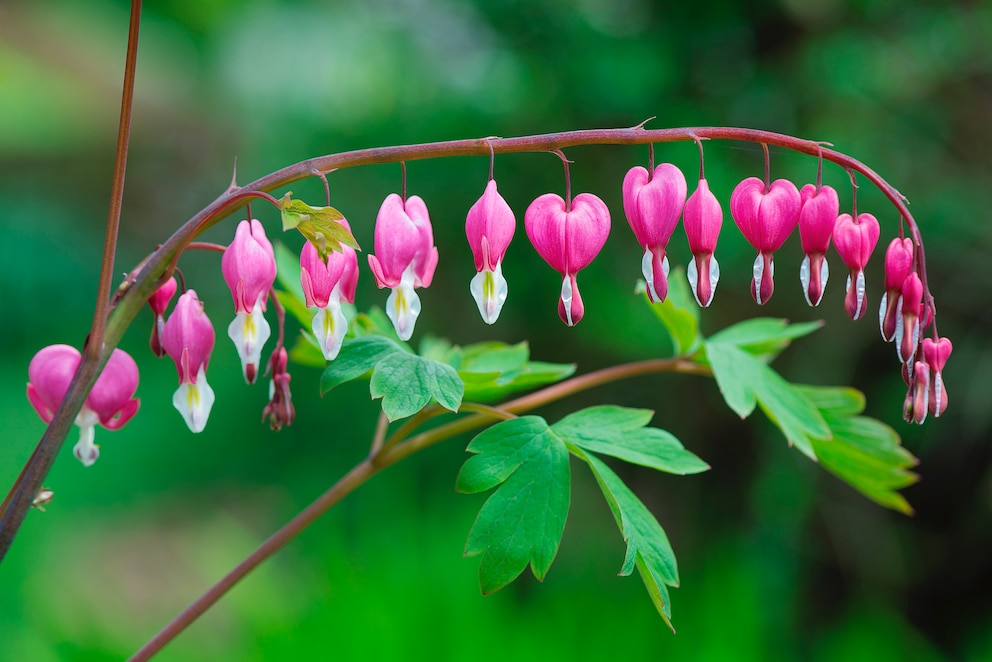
{"x":110,"y":403}
{"x":568,"y":240}
{"x":325,"y":286}
{"x":405,"y":258}
{"x":489,"y":226}
{"x":766,"y":218}
{"x":855,"y":240}
{"x":817,"y":216}
{"x":653,"y":204}
{"x":703,"y":218}
{"x":249,"y":268}
{"x":188,"y":339}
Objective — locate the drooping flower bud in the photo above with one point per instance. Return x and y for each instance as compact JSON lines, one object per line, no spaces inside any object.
{"x":898,"y":265}
{"x":936,"y":353}
{"x":653,"y":204}
{"x":909,"y":322}
{"x":188,"y":339}
{"x":249,"y":268}
{"x":703,"y":218}
{"x":109,"y":404}
{"x":766,"y":216}
{"x":158,"y":302}
{"x":405,"y":258}
{"x":280,"y":410}
{"x":489,"y":226}
{"x":817,"y":216}
{"x":914,"y":409}
{"x":855,"y":239}
{"x":325,"y":286}
{"x":568,"y":240}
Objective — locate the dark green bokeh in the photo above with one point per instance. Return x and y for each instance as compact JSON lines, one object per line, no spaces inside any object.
{"x":778,"y":560}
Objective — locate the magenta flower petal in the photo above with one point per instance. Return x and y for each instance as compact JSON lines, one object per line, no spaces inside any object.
{"x":702,"y":219}
{"x":49,"y":374}
{"x":318,"y":278}
{"x":111,"y":395}
{"x":909,"y":327}
{"x":817,"y":215}
{"x":765,"y":218}
{"x":898,"y":265}
{"x":653,"y":206}
{"x":249,"y":266}
{"x":936,"y":353}
{"x":159,"y":300}
{"x":489,"y":226}
{"x":188,"y":337}
{"x":855,"y":239}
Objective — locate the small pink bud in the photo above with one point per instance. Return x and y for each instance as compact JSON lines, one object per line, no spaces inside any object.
{"x":918,"y":398}
{"x":405,"y":258}
{"x":249,"y":268}
{"x":653,"y":204}
{"x":188,"y":339}
{"x":936,"y":353}
{"x":568,"y":240}
{"x":766,"y":217}
{"x":817,"y":216}
{"x":325,"y":286}
{"x":855,"y":239}
{"x":280,"y":410}
{"x":109,"y":404}
{"x":898,"y":265}
{"x":703,"y":218}
{"x":909,"y":323}
{"x":158,"y":302}
{"x":489,"y":226}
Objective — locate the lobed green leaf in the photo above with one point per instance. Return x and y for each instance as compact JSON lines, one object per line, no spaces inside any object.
{"x":406,"y":383}
{"x":765,"y":337}
{"x":357,"y":357}
{"x":679,"y":314}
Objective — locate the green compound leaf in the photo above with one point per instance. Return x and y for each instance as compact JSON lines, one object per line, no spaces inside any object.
{"x":357,"y":357}
{"x":407,"y":382}
{"x":864,"y":453}
{"x":764,"y":337}
{"x":648,"y":548}
{"x":679,"y":313}
{"x":318,"y":224}
{"x":306,"y":352}
{"x":619,"y":432}
{"x":744,"y":380}
{"x":493,"y":370}
{"x":522,"y":522}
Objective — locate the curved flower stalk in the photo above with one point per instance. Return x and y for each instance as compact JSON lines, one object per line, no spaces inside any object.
{"x":249,"y":268}
{"x":818,"y":213}
{"x":568,"y":239}
{"x":653,"y":203}
{"x":405,"y":258}
{"x":325,"y":286}
{"x":110,"y":403}
{"x":766,"y":215}
{"x":188,"y":339}
{"x":489,"y":226}
{"x":898,"y":265}
{"x":703,"y":218}
{"x":855,"y":240}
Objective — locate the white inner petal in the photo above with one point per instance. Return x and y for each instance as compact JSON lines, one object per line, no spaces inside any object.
{"x":860,"y":294}
{"x":403,"y":305}
{"x":249,"y":332}
{"x":566,"y":298}
{"x":489,"y":290}
{"x":194,"y":401}
{"x":881,"y":315}
{"x":758,"y":271}
{"x":804,"y":279}
{"x":938,"y":393}
{"x":899,"y":322}
{"x":85,"y":450}
{"x":330,"y":326}
{"x":693,"y":275}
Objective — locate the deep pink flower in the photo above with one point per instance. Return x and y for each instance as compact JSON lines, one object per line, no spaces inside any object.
{"x":766,"y":216}
{"x":703,"y":218}
{"x":249,"y":267}
{"x":898,"y":265}
{"x":909,"y":323}
{"x":914,"y":409}
{"x":568,"y":240}
{"x":158,"y":302}
{"x":855,"y":239}
{"x":489,"y":226}
{"x":653,"y":204}
{"x":188,"y":338}
{"x":110,"y":402}
{"x":936,"y":353}
{"x":405,"y":258}
{"x":817,"y":216}
{"x":325,"y":286}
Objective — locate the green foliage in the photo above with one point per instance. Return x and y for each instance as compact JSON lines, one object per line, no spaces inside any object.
{"x":318,"y":224}
{"x":407,"y":382}
{"x":679,"y":313}
{"x":763,"y":337}
{"x":358,"y":356}
{"x":523,"y":520}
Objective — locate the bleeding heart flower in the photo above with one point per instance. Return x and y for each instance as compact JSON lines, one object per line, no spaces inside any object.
{"x":568,"y":240}
{"x":325,"y":286}
{"x":158,"y":302}
{"x":489,"y":226}
{"x":898,"y":265}
{"x":109,"y":404}
{"x":936,"y":353}
{"x":909,"y":323}
{"x":855,"y":239}
{"x":702,"y":219}
{"x":188,"y":339}
{"x":817,"y":216}
{"x":405,"y":258}
{"x":249,"y":267}
{"x":653,"y":204}
{"x":914,"y":409}
{"x":766,"y":216}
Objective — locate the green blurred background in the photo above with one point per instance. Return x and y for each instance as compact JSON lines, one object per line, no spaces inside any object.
{"x":778,"y":559}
